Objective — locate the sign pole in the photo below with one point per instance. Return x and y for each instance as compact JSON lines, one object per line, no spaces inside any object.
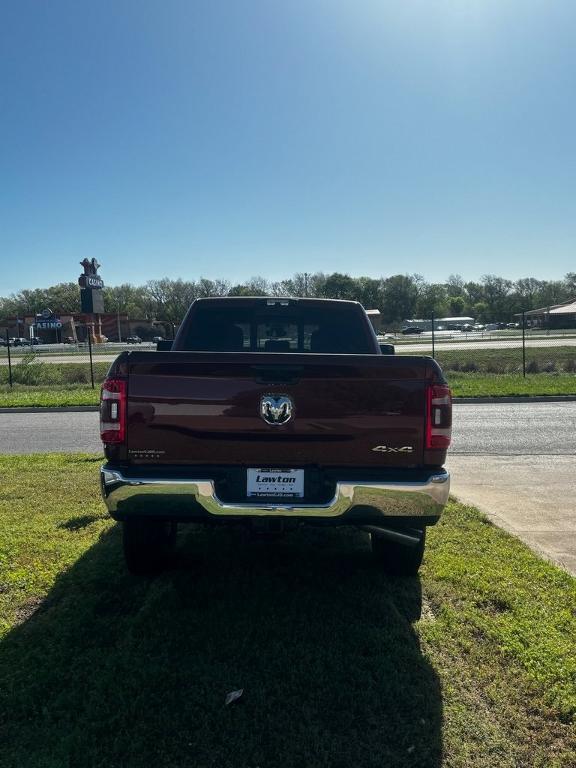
{"x":91,"y":303}
{"x":90,"y":353}
{"x":524,"y":344}
{"x":9,"y":359}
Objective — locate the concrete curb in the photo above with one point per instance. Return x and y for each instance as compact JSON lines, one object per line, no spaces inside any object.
{"x":457,"y":401}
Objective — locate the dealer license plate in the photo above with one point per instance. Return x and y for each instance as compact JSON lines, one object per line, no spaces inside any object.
{"x":287,"y":483}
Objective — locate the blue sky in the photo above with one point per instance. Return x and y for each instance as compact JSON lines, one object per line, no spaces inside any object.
{"x":231,"y":138}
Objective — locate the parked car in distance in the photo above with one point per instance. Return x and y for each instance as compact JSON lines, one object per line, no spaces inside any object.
{"x":156,"y":339}
{"x":69,"y":340}
{"x":410,"y":330}
{"x":19,"y":341}
{"x":133,"y":340}
{"x":478,"y":327}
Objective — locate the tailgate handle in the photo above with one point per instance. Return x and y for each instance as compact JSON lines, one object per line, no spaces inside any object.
{"x":269,"y":374}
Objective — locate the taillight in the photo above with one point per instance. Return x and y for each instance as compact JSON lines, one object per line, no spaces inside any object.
{"x":113,"y":411}
{"x":439,"y":416}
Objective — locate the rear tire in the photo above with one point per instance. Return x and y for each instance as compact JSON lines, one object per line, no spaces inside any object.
{"x":398,"y":559}
{"x":148,"y":545}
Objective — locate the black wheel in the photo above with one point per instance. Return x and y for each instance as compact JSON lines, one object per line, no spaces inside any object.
{"x":148,"y":545}
{"x":399,"y":559}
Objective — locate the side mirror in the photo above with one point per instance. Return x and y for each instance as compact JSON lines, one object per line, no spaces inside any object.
{"x":387,"y":349}
{"x":164,"y":346}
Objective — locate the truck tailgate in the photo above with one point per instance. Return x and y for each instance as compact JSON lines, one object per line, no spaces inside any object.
{"x":203,"y":408}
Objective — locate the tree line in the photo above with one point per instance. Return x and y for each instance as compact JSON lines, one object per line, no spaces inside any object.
{"x":398,"y":297}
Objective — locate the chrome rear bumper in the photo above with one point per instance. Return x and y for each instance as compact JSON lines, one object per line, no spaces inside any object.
{"x":180,"y":496}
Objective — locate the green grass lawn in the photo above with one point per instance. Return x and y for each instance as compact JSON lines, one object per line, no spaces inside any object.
{"x":508,"y":384}
{"x":552,"y":359}
{"x":471,"y":373}
{"x":472,"y":665}
{"x":21,"y":396}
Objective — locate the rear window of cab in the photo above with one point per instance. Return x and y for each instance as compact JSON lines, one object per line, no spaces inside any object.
{"x":276,"y":329}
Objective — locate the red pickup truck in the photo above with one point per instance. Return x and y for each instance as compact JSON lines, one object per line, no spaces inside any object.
{"x":275,"y":412}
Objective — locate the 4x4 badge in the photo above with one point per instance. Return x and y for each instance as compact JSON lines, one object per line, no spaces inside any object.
{"x":389,"y":449}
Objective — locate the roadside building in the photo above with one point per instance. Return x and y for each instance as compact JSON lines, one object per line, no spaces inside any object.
{"x":375,"y":318}
{"x":556,"y":316}
{"x":65,"y":326}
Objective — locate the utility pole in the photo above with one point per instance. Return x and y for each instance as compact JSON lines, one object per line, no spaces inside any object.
{"x":524,"y":344}
{"x":306,"y":283}
{"x":118,"y":320}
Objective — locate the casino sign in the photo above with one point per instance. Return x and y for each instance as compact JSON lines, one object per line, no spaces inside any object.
{"x":91,"y":284}
{"x":47,"y":321}
{"x":90,"y":278}
{"x":90,"y":281}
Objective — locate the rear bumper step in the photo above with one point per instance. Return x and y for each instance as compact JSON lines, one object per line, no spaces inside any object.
{"x":184,"y":497}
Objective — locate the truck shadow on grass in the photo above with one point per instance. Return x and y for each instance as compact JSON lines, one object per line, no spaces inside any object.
{"x":112,"y":670}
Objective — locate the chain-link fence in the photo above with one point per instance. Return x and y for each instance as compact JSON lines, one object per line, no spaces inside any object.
{"x":58,"y":365}
{"x":522,"y":348}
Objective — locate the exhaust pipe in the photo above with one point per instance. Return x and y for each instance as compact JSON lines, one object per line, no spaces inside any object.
{"x":408,"y":539}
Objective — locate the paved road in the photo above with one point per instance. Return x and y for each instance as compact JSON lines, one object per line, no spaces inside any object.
{"x":515,"y":462}
{"x":508,"y":429}
{"x":51,"y":431}
{"x":515,"y":429}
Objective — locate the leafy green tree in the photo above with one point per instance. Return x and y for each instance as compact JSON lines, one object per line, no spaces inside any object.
{"x":206,"y":288}
{"x":455,"y":287}
{"x":127,"y":299}
{"x":240,"y":290}
{"x":169,"y":299}
{"x":256,"y":286}
{"x":553,"y":292}
{"x":497,"y":296}
{"x":570,"y":281}
{"x":481,"y":312}
{"x":399,"y":298}
{"x":526,"y":291}
{"x":63,"y":298}
{"x":456,"y":306}
{"x":432,"y":300}
{"x":474,"y":294}
{"x":369,"y":292}
{"x":339,"y":286}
